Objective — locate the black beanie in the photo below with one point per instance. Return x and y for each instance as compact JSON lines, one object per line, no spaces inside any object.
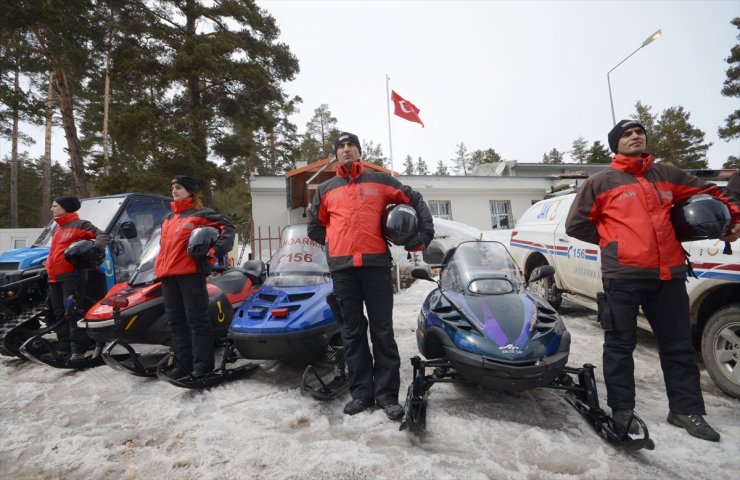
{"x":69,"y":204}
{"x":619,"y":129}
{"x":186,"y":182}
{"x":345,"y":136}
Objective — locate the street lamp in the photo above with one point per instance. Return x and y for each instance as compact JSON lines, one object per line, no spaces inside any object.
{"x":647,"y":41}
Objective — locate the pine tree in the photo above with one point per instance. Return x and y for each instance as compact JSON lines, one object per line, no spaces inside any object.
{"x":598,"y":153}
{"x":579,"y":150}
{"x":461,"y":161}
{"x":647,"y":120}
{"x":554,"y":156}
{"x":421,"y":167}
{"x":408,"y":165}
{"x":441,"y":169}
{"x":731,"y":88}
{"x":679,"y":142}
{"x":374,"y":154}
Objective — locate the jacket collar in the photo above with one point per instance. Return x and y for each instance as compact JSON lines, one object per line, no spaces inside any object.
{"x":66,"y":218}
{"x":632,"y":165}
{"x":353,"y":171}
{"x":182,"y":205}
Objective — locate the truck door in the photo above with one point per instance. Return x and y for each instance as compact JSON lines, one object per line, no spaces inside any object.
{"x":577,"y":261}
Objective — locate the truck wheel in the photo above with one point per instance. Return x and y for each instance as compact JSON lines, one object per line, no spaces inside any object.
{"x":546,"y":288}
{"x":720,"y":348}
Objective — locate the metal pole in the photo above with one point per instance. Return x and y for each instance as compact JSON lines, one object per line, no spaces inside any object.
{"x":388,"y":107}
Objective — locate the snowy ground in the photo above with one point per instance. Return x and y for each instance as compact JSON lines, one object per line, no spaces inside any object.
{"x":101,"y":423}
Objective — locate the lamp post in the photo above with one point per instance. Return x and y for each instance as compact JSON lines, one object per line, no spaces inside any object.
{"x":647,"y":41}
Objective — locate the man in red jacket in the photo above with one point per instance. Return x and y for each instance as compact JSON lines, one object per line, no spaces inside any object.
{"x":625,"y":209}
{"x":67,"y":283}
{"x":345,"y":216}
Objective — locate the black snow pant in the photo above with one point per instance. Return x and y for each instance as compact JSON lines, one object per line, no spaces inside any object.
{"x":191,"y":335}
{"x":67,"y":300}
{"x":666,"y":306}
{"x":381,"y":380}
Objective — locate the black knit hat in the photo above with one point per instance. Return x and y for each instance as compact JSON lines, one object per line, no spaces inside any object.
{"x":186,"y":182}
{"x":619,"y":129}
{"x":69,"y":204}
{"x":346,"y":136}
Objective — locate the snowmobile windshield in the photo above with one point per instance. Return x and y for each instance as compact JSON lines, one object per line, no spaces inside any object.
{"x":144,"y":273}
{"x":480,"y":268}
{"x":98,"y":211}
{"x":299,"y":261}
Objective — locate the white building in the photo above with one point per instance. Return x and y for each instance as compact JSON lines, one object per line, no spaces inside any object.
{"x":492,"y":199}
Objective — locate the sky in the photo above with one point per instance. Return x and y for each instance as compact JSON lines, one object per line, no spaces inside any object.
{"x":101,"y":423}
{"x":521,"y":77}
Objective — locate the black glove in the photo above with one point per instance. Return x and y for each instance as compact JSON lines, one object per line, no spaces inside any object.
{"x":416,"y":244}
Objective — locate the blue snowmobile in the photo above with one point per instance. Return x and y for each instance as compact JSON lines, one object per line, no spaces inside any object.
{"x":480,"y":326}
{"x":293,"y":317}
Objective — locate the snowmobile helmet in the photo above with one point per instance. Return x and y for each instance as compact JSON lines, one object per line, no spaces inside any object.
{"x":201,"y":241}
{"x":700,"y":217}
{"x":399,"y":224}
{"x":83,"y":254}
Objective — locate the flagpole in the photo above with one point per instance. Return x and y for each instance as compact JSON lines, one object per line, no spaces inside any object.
{"x":388,"y":106}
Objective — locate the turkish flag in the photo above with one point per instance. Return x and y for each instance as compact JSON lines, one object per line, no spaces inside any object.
{"x":405,"y":109}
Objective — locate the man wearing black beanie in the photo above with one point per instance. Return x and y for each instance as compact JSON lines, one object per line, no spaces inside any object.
{"x":625,"y":209}
{"x":345,"y":216}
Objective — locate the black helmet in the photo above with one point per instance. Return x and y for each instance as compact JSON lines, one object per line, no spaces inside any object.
{"x":700,"y":217}
{"x":83,"y":254}
{"x":399,"y":224}
{"x":201,"y":240}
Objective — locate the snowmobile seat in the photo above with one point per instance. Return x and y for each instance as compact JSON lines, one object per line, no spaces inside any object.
{"x":230,"y":282}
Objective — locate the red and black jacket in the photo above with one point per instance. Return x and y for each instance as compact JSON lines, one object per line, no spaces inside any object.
{"x":345,"y":216}
{"x":173,"y":258}
{"x":625,"y":209}
{"x":70,"y":229}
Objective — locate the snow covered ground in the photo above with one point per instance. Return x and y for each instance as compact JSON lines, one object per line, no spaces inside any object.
{"x":103,"y":424}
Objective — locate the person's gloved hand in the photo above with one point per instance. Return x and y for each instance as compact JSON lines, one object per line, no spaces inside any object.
{"x":416,"y":244}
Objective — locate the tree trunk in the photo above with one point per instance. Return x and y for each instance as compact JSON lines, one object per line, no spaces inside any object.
{"x":46,"y":171}
{"x":70,"y":130}
{"x":14,"y":156}
{"x":199,"y":131}
{"x":106,"y":102}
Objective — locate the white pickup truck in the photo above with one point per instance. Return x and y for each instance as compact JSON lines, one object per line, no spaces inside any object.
{"x":539,"y":239}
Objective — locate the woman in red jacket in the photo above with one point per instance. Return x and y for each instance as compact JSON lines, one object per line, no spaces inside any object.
{"x":184,"y":279}
{"x":67,"y":283}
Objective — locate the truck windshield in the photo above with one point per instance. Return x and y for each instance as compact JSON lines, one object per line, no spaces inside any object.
{"x":98,"y":211}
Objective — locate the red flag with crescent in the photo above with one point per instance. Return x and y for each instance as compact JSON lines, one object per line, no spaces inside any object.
{"x":405,"y":109}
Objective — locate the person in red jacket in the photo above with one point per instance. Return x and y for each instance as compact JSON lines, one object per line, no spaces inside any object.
{"x":345,"y":217}
{"x":184,"y":280}
{"x":66,"y":282}
{"x":625,"y":209}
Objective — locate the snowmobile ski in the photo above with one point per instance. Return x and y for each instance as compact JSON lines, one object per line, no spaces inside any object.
{"x":14,"y":331}
{"x":320,"y":389}
{"x":131,"y":361}
{"x":219,"y":375}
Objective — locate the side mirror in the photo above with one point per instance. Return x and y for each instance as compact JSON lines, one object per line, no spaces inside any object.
{"x":128,"y":229}
{"x":434,"y":253}
{"x":422,"y":273}
{"x":541,"y":272}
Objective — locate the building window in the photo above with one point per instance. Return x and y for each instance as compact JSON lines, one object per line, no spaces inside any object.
{"x":501,"y":214}
{"x":440,"y":209}
{"x":19,"y":243}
